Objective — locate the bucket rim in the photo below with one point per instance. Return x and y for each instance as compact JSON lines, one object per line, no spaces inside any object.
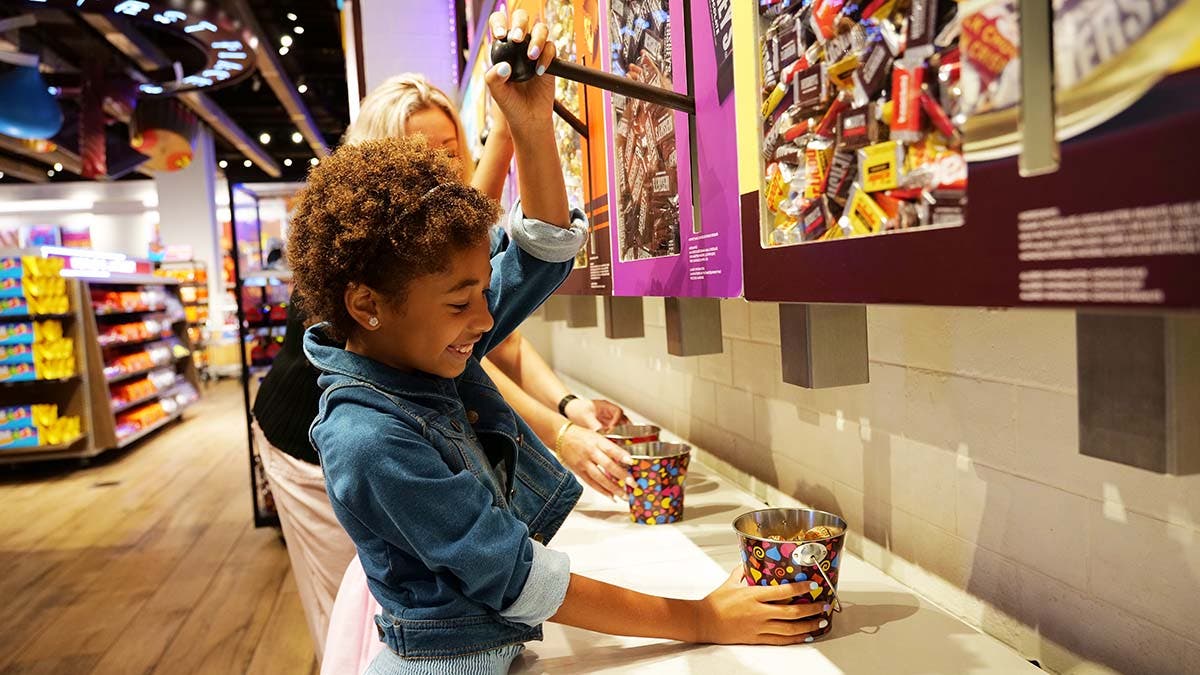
{"x":740,"y":533}
{"x":686,"y":450}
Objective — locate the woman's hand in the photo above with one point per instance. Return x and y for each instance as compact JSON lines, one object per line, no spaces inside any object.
{"x":739,"y":614}
{"x":528,"y":106}
{"x":596,"y":460}
{"x":595,"y":414}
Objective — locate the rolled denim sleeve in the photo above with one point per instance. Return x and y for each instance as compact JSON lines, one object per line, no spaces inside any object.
{"x":545,"y":241}
{"x":525,"y":274}
{"x":545,"y":588}
{"x":388,"y":477}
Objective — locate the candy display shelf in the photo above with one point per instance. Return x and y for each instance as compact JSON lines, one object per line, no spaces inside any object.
{"x":49,"y":375}
{"x":135,"y":320}
{"x":195,"y":291}
{"x":165,"y":353}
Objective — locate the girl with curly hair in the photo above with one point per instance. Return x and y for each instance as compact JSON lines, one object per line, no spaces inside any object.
{"x":447,"y":494}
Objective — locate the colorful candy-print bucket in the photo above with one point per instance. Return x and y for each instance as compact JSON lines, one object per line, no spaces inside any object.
{"x":795,"y":546}
{"x":632,"y":434}
{"x":658,"y":472}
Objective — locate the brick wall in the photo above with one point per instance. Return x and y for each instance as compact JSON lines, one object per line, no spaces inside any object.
{"x":957,"y":466}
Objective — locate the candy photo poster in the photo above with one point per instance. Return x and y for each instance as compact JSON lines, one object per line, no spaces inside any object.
{"x":674,"y":213}
{"x":1094,"y":231}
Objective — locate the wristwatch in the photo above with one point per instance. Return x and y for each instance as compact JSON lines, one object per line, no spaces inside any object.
{"x":562,"y":405}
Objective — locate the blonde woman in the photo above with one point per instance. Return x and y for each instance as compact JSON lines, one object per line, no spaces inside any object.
{"x":286,"y":404}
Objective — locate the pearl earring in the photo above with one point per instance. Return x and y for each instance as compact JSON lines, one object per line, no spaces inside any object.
{"x":373,"y":322}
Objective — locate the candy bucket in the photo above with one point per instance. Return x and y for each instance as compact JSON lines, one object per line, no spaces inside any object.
{"x":658,"y":472}
{"x":789,"y":546}
{"x":632,"y":434}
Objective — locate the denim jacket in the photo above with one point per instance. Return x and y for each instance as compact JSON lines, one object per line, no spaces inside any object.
{"x":452,"y":551}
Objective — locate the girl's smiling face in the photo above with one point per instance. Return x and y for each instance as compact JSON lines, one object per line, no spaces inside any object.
{"x":434,"y":328}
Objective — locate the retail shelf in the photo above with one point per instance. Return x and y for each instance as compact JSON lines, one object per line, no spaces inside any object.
{"x":106,"y":313}
{"x":61,"y":380}
{"x":155,"y":338}
{"x":35,"y":317}
{"x":60,"y":447}
{"x":132,"y":280}
{"x":281,"y":275}
{"x":194,"y":284}
{"x":42,"y":453}
{"x":130,"y":376}
{"x":158,"y":395}
{"x":137,"y":436}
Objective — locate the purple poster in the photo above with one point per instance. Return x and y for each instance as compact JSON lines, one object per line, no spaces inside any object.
{"x":664,"y":243}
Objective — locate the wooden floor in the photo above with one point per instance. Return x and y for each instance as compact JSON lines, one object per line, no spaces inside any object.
{"x":148,"y":561}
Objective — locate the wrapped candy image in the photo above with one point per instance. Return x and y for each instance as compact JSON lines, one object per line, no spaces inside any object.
{"x":861,"y":118}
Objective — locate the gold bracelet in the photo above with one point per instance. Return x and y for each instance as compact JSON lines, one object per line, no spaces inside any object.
{"x":562,"y":431}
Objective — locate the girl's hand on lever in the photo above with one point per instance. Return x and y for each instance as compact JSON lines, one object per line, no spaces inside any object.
{"x":529,"y":108}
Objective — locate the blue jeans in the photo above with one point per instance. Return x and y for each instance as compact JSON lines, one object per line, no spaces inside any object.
{"x":491,"y":662}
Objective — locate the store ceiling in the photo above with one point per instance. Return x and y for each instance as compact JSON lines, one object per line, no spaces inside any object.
{"x":308,"y":96}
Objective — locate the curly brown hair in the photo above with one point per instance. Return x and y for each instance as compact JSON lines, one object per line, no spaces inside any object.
{"x":380,"y":213}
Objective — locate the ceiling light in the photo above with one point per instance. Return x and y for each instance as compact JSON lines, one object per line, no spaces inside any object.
{"x":302,"y":88}
{"x":1,"y":175}
{"x":247,"y":164}
{"x":283,"y":51}
{"x":264,"y":138}
{"x":286,"y":40}
{"x":297,"y":137}
{"x":314,"y":161}
{"x":54,"y":91}
{"x":57,"y":166}
{"x":299,"y":30}
{"x":291,"y":16}
{"x":223,"y":164}
{"x":287,"y":161}
{"x":50,"y":173}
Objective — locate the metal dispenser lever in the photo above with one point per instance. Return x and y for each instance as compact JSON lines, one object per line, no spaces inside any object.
{"x":524,"y":68}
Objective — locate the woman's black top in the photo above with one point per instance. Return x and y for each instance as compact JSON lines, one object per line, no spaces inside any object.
{"x":286,"y":404}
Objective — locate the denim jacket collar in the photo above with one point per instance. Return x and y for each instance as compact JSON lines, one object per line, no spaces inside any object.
{"x":330,"y":356}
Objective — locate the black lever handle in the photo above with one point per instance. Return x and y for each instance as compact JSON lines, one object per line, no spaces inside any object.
{"x":524,"y":68}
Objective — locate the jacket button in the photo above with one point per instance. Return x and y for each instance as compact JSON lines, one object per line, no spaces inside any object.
{"x":539,"y":538}
{"x":472,"y":416}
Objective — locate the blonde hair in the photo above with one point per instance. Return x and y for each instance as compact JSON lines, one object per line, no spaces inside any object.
{"x":385,"y":111}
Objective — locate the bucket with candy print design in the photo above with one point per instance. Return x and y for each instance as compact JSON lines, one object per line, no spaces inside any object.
{"x":658,"y":471}
{"x":795,"y":546}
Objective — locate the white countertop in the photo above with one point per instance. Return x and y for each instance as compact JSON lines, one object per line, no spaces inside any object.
{"x":885,"y":628}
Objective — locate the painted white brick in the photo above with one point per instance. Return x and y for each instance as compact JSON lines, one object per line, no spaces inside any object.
{"x":756,"y":367}
{"x":1098,"y":626}
{"x":1034,"y":347}
{"x":1146,"y":567}
{"x":1037,"y":526}
{"x":735,"y":411}
{"x":735,"y":318}
{"x":764,"y":322}
{"x":717,"y":367}
{"x":1048,"y":441}
{"x":969,"y":416}
{"x":914,"y":476}
{"x":942,"y":553}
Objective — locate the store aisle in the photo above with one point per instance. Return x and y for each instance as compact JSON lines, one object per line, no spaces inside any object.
{"x":148,"y":562}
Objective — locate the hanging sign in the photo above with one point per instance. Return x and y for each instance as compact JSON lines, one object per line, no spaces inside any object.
{"x":227,"y":46}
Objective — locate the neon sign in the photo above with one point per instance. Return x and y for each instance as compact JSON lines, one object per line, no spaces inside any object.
{"x":227,"y":45}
